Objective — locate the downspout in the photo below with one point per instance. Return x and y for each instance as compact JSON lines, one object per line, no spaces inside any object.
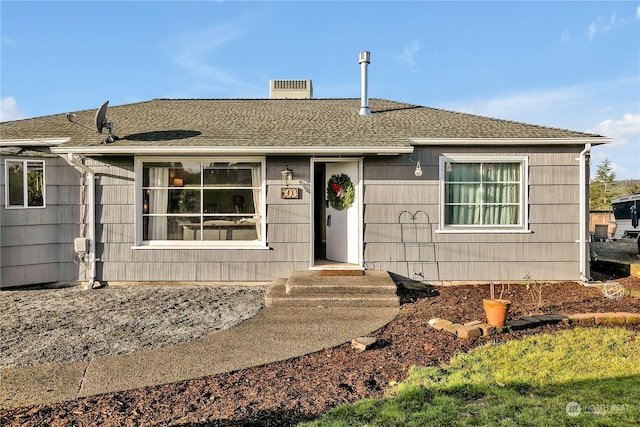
{"x":585,"y":273}
{"x":90,"y":177}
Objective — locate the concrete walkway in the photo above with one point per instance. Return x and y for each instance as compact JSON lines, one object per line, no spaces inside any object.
{"x":272,"y":335}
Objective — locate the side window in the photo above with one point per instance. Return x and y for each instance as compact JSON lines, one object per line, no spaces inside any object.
{"x":24,"y":180}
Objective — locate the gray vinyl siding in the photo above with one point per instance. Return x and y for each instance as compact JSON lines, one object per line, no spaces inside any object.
{"x":549,"y":252}
{"x":287,"y":221}
{"x":36,"y":244}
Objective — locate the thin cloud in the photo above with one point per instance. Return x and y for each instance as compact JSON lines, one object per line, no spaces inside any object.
{"x":8,"y":41}
{"x":9,"y":110}
{"x":536,"y":104}
{"x":591,"y":30}
{"x":408,"y":53}
{"x":520,"y":104}
{"x":623,"y":152}
{"x":196,"y":53}
{"x":624,"y":132}
{"x":603,"y":26}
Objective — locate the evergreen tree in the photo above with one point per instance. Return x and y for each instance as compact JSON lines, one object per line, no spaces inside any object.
{"x":603,"y":188}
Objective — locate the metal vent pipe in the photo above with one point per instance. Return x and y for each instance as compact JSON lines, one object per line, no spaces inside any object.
{"x":364,"y":60}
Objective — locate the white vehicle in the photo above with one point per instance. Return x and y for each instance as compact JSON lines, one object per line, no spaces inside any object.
{"x":625,"y":211}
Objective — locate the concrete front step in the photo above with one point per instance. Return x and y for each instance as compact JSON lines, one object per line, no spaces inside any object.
{"x":278,"y":297}
{"x":311,"y":289}
{"x":312,"y":282}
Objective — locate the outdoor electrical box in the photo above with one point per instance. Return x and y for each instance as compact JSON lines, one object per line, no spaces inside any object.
{"x":81,"y":245}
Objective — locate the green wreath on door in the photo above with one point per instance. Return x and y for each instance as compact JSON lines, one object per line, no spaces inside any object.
{"x":340,"y":191}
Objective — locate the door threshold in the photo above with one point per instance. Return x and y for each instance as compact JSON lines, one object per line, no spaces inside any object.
{"x":325,"y":264}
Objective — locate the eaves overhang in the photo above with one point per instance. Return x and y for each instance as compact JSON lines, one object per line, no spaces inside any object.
{"x":33,"y":142}
{"x":593,"y":140}
{"x":106,"y":150}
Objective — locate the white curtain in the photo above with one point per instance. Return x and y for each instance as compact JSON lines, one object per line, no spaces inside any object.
{"x":158,"y":202}
{"x":502,"y":198}
{"x":483,"y":194}
{"x":256,"y":183}
{"x":463,"y":193}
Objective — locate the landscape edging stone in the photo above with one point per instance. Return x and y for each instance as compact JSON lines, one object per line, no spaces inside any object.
{"x":477,"y":328}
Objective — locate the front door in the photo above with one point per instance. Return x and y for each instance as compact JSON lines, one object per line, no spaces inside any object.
{"x":343,"y":226}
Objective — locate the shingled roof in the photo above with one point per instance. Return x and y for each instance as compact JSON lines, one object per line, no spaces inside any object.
{"x":263,"y":124}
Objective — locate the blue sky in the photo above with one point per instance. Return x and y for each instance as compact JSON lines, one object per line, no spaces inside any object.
{"x":567,"y":64}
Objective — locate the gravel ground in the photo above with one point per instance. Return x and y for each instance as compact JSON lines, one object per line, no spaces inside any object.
{"x":622,"y":250}
{"x":71,"y":324}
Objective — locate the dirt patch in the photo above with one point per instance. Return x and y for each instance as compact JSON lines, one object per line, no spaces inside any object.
{"x":70,"y":324}
{"x":284,"y":393}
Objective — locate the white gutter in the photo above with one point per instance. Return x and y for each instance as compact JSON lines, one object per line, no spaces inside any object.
{"x":585,"y":273}
{"x":90,"y":179}
{"x":301,"y":151}
{"x":592,"y":140}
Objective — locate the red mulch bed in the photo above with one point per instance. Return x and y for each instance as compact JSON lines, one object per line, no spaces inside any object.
{"x":284,"y":393}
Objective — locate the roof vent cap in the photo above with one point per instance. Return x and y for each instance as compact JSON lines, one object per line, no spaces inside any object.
{"x":290,"y":89}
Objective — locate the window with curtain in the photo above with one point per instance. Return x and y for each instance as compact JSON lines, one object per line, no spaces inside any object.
{"x":482,"y":194}
{"x":212,"y":202}
{"x":24,"y":184}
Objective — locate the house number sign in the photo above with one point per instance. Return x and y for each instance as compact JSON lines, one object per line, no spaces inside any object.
{"x":288,"y":193}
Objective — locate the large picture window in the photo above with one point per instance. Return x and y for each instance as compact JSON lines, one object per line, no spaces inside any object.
{"x":24,"y":184}
{"x":482,"y":194}
{"x":217,"y":202}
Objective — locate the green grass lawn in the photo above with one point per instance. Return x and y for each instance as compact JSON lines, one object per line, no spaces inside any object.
{"x":538,"y":381}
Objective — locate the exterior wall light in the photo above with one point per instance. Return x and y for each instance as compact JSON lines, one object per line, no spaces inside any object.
{"x":418,"y":171}
{"x":287,"y":176}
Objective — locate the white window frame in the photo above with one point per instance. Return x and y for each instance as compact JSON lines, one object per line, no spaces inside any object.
{"x":205,"y":244}
{"x":522,"y":227}
{"x":25,"y":186}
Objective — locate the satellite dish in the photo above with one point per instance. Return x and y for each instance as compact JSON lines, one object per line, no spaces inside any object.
{"x":101,"y":117}
{"x":101,"y":123}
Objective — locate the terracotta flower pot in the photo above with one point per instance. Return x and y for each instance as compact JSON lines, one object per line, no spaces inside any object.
{"x":496,"y":311}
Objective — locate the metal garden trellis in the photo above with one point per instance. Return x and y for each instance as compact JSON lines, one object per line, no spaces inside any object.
{"x":418,"y":248}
